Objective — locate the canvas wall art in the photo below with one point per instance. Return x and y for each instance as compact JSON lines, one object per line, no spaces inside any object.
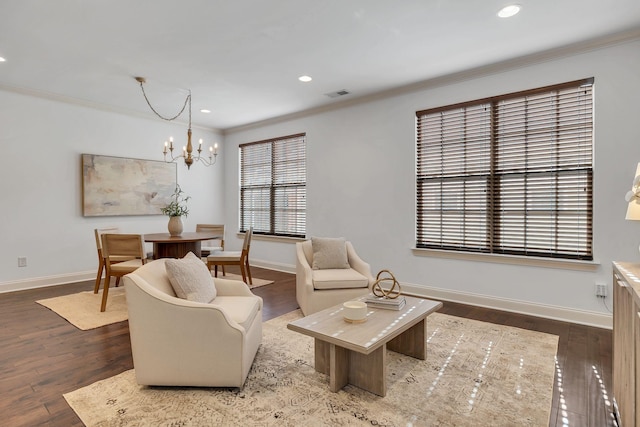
{"x":121,"y":186}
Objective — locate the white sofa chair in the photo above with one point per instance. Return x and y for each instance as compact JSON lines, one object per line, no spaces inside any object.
{"x":176,"y":342}
{"x":322,"y":288}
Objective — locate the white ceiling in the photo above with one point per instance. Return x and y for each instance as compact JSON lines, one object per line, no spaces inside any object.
{"x":241,"y":58}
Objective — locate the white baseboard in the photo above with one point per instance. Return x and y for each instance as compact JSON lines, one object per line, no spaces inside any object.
{"x":286,"y":268}
{"x":41,"y":282}
{"x":62,"y":279}
{"x":583,"y":317}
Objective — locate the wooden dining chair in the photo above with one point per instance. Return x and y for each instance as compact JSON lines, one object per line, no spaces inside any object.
{"x":209,"y":246}
{"x":98,"y":232}
{"x":240,"y":258}
{"x":116,"y":247}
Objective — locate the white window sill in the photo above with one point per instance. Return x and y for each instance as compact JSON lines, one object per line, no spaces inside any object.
{"x":510,"y":259}
{"x":270,"y":238}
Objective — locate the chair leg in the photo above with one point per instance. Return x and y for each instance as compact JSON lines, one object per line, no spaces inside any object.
{"x":223,"y":272}
{"x":105,"y":293}
{"x":215,"y":270}
{"x":243,"y":272}
{"x":248,"y":271}
{"x":96,"y":288}
{"x":117,"y":281}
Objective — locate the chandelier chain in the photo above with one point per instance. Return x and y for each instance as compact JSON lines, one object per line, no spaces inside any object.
{"x":187,"y":151}
{"x":187,"y":100}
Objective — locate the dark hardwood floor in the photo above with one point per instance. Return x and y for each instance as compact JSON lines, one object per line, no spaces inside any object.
{"x":43,"y":356}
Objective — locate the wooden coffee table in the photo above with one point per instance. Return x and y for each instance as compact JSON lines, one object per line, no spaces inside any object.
{"x":356,"y":353}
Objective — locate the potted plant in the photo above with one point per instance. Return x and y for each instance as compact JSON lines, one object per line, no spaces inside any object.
{"x":176,"y":210}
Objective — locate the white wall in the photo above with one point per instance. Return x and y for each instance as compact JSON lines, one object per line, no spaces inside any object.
{"x":361,"y":184}
{"x":41,"y":141}
{"x":361,"y":181}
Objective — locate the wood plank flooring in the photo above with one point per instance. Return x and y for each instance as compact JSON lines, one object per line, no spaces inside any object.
{"x":42,"y":356}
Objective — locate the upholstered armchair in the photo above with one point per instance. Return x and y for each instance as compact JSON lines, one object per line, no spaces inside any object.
{"x":179,"y":342}
{"x":318,"y":287}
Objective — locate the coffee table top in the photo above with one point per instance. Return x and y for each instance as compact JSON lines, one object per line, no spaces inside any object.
{"x":382,"y":325}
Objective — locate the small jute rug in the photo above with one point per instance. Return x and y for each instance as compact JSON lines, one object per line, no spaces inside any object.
{"x":476,"y":374}
{"x":82,"y":309}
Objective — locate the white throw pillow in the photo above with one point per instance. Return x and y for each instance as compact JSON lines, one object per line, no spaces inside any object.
{"x":191,"y":279}
{"x":329,"y":253}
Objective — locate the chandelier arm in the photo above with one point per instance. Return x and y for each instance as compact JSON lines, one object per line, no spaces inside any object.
{"x":187,"y":100}
{"x":207,"y":161}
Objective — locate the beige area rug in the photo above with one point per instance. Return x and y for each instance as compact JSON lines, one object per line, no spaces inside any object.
{"x":82,"y":309}
{"x":476,"y":374}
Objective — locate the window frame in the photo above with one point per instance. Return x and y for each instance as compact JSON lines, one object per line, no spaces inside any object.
{"x":274,"y":183}
{"x":492,"y":213}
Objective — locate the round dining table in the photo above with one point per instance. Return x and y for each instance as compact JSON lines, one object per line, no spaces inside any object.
{"x":168,"y":246}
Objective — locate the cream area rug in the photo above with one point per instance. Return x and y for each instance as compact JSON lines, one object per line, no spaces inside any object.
{"x":82,"y":309}
{"x":476,"y":374}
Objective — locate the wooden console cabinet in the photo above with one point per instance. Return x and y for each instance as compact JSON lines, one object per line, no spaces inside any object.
{"x":626,"y":343}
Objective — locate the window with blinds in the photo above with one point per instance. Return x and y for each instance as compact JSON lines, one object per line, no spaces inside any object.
{"x":273,"y":180}
{"x":511,"y":174}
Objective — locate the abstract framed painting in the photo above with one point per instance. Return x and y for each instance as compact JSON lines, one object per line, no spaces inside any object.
{"x":113,"y":186}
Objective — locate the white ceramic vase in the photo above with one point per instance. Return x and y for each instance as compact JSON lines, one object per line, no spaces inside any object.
{"x":175,"y":225}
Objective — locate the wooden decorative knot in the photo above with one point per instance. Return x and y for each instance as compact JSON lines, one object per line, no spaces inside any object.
{"x":390,"y":293}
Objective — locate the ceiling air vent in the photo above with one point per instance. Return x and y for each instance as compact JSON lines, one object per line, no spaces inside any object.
{"x":338,"y":93}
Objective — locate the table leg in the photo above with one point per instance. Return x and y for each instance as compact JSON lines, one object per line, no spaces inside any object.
{"x":176,"y":249}
{"x":366,"y":371}
{"x":338,"y":367}
{"x":369,"y":371}
{"x":322,"y":357}
{"x":412,"y":342}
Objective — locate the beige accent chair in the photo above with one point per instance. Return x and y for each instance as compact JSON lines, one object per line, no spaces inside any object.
{"x":176,"y":342}
{"x":116,"y":248}
{"x":320,"y":289}
{"x":240,"y":258}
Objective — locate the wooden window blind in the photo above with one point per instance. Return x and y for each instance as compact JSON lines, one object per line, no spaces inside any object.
{"x":273,"y":177}
{"x":511,"y":174}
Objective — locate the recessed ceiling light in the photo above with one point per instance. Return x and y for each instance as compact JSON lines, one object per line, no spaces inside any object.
{"x":305,"y":79}
{"x":205,"y":111}
{"x":2,"y":59}
{"x":509,"y":11}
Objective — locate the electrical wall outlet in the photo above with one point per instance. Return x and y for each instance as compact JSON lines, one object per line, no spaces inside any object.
{"x":601,"y":290}
{"x":22,"y":261}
